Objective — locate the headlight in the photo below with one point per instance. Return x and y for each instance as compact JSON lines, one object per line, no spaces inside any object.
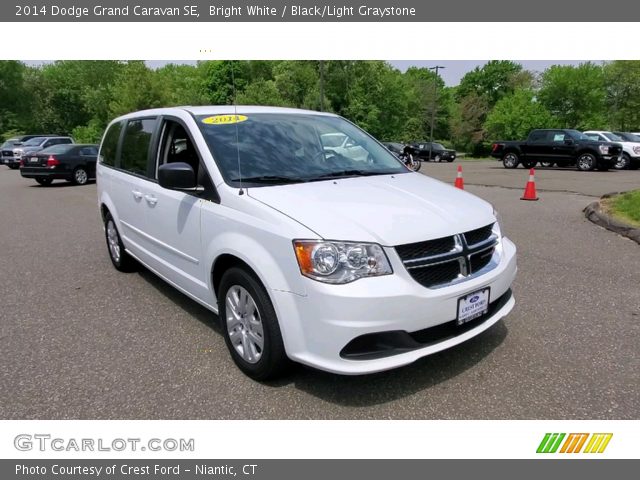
{"x":497,"y":227}
{"x":636,"y":150}
{"x":604,"y":149}
{"x":340,"y":262}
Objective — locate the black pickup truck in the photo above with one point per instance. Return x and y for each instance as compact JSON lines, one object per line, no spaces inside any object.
{"x":558,"y":147}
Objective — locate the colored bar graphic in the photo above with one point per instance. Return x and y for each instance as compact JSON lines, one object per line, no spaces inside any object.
{"x":550,"y":442}
{"x":598,"y":442}
{"x":575,"y":441}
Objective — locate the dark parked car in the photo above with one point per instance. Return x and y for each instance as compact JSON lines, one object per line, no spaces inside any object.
{"x":561,"y":147}
{"x":74,"y":162}
{"x":6,"y":150}
{"x":438,"y":152}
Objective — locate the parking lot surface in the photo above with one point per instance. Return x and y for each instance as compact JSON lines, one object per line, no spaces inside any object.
{"x":80,"y":340}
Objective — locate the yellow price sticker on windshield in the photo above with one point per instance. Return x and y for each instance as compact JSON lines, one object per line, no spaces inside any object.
{"x":224,"y":119}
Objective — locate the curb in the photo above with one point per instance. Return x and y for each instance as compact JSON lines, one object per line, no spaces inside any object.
{"x":594,"y":213}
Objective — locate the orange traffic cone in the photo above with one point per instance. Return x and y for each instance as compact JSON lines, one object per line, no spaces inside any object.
{"x":459,"y":181}
{"x":530,"y":189}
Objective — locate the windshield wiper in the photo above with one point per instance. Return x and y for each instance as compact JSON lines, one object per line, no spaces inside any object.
{"x":349,"y":173}
{"x":269,"y":179}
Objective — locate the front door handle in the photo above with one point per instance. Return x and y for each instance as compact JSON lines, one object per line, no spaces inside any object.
{"x":151,"y":200}
{"x":136,"y":194}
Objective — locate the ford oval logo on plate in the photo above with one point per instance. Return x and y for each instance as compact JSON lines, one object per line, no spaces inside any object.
{"x":474,"y":299}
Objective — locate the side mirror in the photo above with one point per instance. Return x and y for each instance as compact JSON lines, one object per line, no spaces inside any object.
{"x":177,"y":176}
{"x":568,"y":141}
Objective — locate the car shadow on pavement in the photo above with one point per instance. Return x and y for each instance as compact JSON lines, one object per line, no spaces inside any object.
{"x":362,"y":390}
{"x":379,"y":388}
{"x":192,"y":307}
{"x":60,"y":184}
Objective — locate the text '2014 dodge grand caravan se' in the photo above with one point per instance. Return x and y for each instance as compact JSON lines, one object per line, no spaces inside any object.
{"x":348,"y":263}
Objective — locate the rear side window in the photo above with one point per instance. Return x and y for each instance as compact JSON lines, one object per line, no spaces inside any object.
{"x":109,"y":146}
{"x":538,"y":136}
{"x":90,"y":151}
{"x":135,"y":145}
{"x":59,"y":149}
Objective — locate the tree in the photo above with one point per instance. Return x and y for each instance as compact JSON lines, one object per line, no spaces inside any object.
{"x":183,"y":84}
{"x":14,"y":99}
{"x":515,"y":115}
{"x":493,"y":80}
{"x":622,"y":86}
{"x":136,"y":88}
{"x":576,"y":96}
{"x":467,"y":125}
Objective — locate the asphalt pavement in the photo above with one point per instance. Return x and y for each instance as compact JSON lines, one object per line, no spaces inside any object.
{"x":79,"y":340}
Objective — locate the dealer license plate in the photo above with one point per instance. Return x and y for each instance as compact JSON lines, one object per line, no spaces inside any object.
{"x":33,"y":159}
{"x":473,"y":305}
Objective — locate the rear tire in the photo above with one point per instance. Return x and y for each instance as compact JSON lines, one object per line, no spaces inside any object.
{"x":45,"y":182}
{"x":415,"y":164}
{"x":80,"y":176}
{"x":510,"y":160}
{"x":586,"y":162}
{"x":250,"y":326}
{"x":120,"y":259}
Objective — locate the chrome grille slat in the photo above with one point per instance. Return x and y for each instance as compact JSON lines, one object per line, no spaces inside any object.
{"x":468,"y":255}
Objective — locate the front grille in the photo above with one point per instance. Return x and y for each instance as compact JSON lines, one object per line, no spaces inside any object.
{"x":440,"y":262}
{"x":478,"y":235}
{"x":412,"y":251}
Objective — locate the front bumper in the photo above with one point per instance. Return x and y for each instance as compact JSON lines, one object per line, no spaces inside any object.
{"x":608,"y":160}
{"x":318,"y":326}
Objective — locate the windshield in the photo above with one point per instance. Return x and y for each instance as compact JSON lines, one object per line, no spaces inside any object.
{"x":438,"y":146}
{"x":8,"y":143}
{"x":33,"y":142}
{"x":629,"y":137}
{"x":613,"y":137}
{"x":576,"y":135}
{"x":278,"y":148}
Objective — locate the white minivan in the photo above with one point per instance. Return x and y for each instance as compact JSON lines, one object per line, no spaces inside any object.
{"x":305,"y":253}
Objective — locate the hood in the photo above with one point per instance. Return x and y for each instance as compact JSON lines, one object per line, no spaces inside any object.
{"x":386,"y":209}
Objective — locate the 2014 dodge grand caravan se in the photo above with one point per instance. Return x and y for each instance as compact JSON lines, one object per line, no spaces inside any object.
{"x":348,"y":263}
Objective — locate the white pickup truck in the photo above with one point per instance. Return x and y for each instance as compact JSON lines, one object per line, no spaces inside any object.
{"x":630,"y":157}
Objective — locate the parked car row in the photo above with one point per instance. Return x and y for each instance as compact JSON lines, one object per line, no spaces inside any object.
{"x":567,"y":147}
{"x":45,"y":158}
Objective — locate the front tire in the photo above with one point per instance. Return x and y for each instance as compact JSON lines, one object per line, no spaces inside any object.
{"x":80,"y":176}
{"x":623,"y":162}
{"x":510,"y":160}
{"x":120,"y":259}
{"x":250,"y":326}
{"x":586,"y":162}
{"x":45,"y":182}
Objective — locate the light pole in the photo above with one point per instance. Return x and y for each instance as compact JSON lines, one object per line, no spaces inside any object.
{"x":433,"y":107}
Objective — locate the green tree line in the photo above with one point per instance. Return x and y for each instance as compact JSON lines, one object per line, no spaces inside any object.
{"x":499,"y":100}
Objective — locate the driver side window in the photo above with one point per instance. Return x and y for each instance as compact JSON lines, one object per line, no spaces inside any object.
{"x":176,"y":146}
